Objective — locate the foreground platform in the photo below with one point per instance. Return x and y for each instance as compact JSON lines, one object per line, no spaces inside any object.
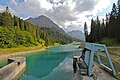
{"x":13,"y":69}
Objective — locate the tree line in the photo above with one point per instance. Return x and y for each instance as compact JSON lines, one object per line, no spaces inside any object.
{"x":16,"y":32}
{"x":106,"y":31}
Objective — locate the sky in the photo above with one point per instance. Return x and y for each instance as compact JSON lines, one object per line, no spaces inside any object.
{"x":68,"y":14}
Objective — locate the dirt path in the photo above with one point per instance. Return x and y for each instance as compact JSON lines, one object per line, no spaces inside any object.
{"x":100,"y":73}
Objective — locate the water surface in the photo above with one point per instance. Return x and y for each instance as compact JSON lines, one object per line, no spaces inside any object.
{"x":53,"y":64}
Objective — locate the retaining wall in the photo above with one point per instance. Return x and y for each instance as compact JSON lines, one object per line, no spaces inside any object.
{"x":10,"y":71}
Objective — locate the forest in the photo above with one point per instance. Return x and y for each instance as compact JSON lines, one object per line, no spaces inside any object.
{"x":106,"y":31}
{"x":15,"y":32}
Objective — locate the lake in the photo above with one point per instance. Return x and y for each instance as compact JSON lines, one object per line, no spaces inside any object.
{"x":53,"y":64}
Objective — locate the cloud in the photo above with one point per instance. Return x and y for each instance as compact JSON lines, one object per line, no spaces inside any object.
{"x":3,"y":8}
{"x":62,"y":14}
{"x":85,"y":5}
{"x":14,"y":2}
{"x":66,"y":13}
{"x":73,"y":27}
{"x":100,"y":6}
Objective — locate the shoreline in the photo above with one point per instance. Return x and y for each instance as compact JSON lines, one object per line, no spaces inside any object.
{"x":22,"y":53}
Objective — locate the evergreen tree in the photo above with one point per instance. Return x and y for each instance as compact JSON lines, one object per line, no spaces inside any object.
{"x":113,"y":22}
{"x":16,"y":22}
{"x":21,"y":24}
{"x":110,"y":29}
{"x":114,"y":10}
{"x":118,"y":22}
{"x":97,"y":29}
{"x":107,"y":25}
{"x":85,"y":31}
{"x":17,"y":32}
{"x":92,"y":35}
{"x":6,"y":18}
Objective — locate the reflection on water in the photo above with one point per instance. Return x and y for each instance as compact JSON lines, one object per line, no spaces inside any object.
{"x":53,"y":64}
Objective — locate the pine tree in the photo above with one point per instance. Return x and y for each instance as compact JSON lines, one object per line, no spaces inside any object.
{"x":114,"y":10}
{"x":16,"y":22}
{"x":118,"y":22}
{"x":113,"y":22}
{"x":21,"y":23}
{"x":92,"y":33}
{"x":107,"y":25}
{"x":6,"y":18}
{"x":102,"y":30}
{"x":97,"y":29}
{"x":85,"y":31}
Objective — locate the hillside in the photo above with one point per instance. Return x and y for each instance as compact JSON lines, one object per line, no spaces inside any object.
{"x":47,"y":25}
{"x":43,"y":21}
{"x":77,"y":34}
{"x":15,"y":32}
{"x":58,"y":37}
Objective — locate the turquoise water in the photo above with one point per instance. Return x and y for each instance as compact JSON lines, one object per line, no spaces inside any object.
{"x":53,"y":64}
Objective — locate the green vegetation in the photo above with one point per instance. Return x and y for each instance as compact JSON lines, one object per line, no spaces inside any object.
{"x":19,"y":49}
{"x":108,"y":30}
{"x":115,"y":60}
{"x":13,"y":37}
{"x":118,"y":76}
{"x":57,"y":44}
{"x":15,"y":32}
{"x":108,"y":41}
{"x":57,"y":37}
{"x":114,"y":51}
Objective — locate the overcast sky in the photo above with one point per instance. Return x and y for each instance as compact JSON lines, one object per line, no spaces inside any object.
{"x":68,"y":14}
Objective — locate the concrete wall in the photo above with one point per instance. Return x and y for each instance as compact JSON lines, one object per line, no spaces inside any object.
{"x":10,"y":71}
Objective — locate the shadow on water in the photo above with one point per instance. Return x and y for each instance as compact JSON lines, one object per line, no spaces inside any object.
{"x":53,"y":64}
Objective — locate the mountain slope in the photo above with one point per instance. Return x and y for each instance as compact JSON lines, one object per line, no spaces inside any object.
{"x":77,"y":34}
{"x":43,"y":21}
{"x":56,"y":33}
{"x":57,"y":36}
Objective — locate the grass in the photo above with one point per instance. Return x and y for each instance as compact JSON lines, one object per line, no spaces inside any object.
{"x":118,"y":76}
{"x":115,"y":63}
{"x":114,"y":51}
{"x":57,"y":44}
{"x":19,"y":49}
{"x":22,"y":48}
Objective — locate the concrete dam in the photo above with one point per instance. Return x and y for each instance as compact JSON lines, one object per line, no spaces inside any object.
{"x":15,"y":67}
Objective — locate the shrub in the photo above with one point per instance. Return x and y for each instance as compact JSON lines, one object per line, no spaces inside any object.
{"x":108,"y":41}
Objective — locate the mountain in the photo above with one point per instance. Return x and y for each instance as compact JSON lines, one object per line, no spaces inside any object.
{"x":42,"y":21}
{"x":56,"y":33}
{"x":17,"y":32}
{"x":77,"y":34}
